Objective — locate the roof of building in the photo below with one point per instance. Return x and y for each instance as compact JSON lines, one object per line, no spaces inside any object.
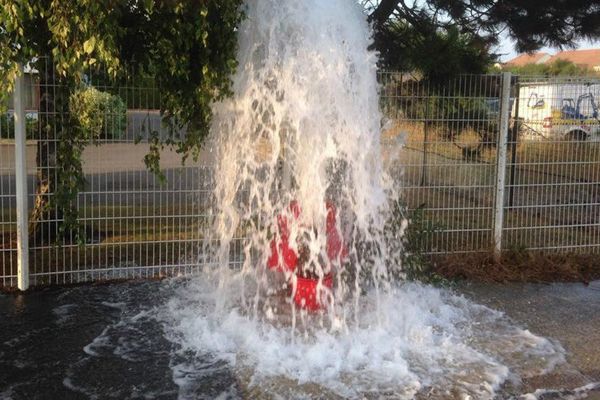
{"x":589,"y":58}
{"x":538,"y":57}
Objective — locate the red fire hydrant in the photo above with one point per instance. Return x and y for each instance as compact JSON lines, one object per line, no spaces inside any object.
{"x":308,"y":292}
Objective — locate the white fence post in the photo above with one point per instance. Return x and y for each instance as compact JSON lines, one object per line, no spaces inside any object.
{"x":21,"y":183}
{"x":501,"y":162}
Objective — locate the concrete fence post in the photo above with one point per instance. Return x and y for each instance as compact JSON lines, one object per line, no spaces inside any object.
{"x":501,"y":157}
{"x":21,"y":183}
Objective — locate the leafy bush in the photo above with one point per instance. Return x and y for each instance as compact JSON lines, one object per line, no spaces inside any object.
{"x":100,"y":115}
{"x":415,"y":239}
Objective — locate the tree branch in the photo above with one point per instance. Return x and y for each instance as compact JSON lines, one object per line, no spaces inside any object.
{"x":382,"y":12}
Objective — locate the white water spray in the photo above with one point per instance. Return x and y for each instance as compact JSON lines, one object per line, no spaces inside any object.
{"x":304,"y":125}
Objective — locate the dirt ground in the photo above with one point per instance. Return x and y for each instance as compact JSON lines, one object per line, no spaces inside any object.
{"x":519,"y":266}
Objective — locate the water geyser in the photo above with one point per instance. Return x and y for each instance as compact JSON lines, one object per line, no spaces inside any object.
{"x":299,"y":142}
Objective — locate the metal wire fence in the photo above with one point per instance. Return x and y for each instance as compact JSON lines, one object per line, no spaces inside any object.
{"x":451,"y":134}
{"x":448,"y":137}
{"x":553,"y":194}
{"x":134,"y":224}
{"x":444,"y":141}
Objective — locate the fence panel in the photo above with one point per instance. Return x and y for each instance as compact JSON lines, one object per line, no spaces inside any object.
{"x":449,"y":131}
{"x":135,"y":225}
{"x":553,"y":188}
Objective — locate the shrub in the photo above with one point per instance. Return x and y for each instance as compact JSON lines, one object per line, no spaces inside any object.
{"x":415,"y":238}
{"x":100,"y":115}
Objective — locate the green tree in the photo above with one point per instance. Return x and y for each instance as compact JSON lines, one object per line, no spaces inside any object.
{"x":461,"y":33}
{"x":189,"y":45}
{"x":437,"y":54}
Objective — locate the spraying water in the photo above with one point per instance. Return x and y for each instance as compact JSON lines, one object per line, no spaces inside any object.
{"x":299,"y":161}
{"x":303,"y":129}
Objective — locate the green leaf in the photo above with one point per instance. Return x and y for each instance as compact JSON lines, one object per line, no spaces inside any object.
{"x":88,"y":45}
{"x":149,"y":4}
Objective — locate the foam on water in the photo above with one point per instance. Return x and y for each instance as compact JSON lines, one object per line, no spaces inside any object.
{"x":304,"y":124}
{"x":429,"y":341}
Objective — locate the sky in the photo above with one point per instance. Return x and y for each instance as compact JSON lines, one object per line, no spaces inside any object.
{"x":507,"y":51}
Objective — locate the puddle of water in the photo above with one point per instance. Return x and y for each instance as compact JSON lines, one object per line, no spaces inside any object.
{"x":111,"y":342}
